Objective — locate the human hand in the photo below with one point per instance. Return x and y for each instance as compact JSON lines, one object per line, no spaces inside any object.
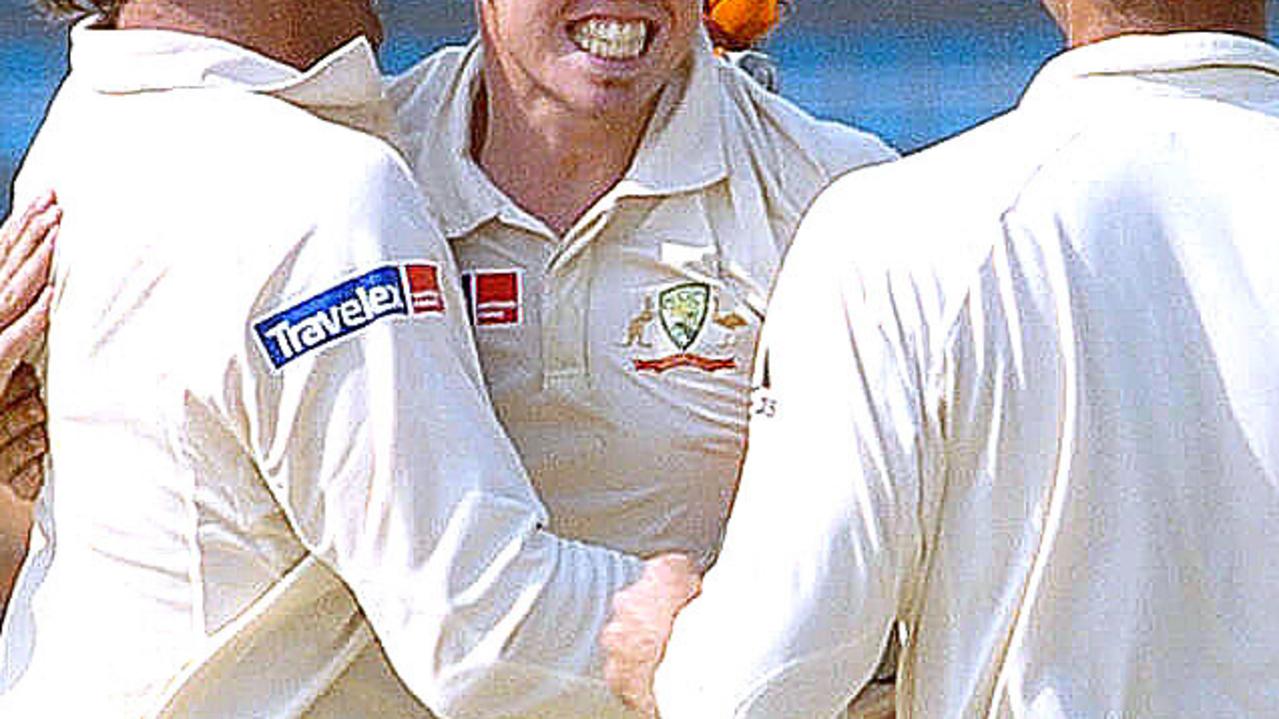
{"x":24,"y":442}
{"x":634,"y":639}
{"x":26,"y":253}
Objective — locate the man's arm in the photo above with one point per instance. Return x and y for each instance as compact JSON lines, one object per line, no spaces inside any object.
{"x":368,"y":419}
{"x":823,"y":538}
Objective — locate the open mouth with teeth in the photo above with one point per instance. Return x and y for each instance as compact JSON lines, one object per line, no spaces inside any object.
{"x":610,"y":38}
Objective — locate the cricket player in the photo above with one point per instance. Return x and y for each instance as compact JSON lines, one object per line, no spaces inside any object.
{"x":1019,"y":395}
{"x":618,"y":200}
{"x":259,"y":363}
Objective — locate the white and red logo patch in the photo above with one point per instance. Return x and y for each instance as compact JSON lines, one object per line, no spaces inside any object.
{"x":495,"y":296}
{"x":345,"y":309}
{"x":424,"y":288}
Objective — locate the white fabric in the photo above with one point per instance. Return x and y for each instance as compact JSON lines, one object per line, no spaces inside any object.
{"x":191,"y":476}
{"x":631,"y":440}
{"x":1020,"y":395}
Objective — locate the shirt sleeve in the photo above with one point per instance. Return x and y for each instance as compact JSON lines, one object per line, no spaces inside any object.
{"x":368,"y":419}
{"x":824,"y":532}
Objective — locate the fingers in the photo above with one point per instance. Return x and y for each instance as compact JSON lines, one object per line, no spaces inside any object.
{"x":23,"y":280}
{"x":634,"y":639}
{"x":632,"y":683}
{"x":26,"y":254}
{"x":26,"y":485}
{"x":27,"y":246}
{"x":14,"y":227}
{"x":632,"y":653}
{"x":23,"y":438}
{"x":21,"y":413}
{"x":17,"y":337}
{"x":22,"y":463}
{"x":677,"y":575}
{"x":23,"y":382}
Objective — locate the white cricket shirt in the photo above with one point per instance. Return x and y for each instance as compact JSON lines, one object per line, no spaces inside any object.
{"x":1021,"y":396}
{"x":618,"y":356}
{"x":258,"y":358}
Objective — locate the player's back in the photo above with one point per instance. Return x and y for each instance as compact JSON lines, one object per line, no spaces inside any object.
{"x":1112,"y":472}
{"x":1022,"y":402}
{"x":155,"y":529}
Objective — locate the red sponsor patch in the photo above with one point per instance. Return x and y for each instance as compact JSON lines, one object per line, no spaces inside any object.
{"x":706,"y":364}
{"x":495,"y":296}
{"x":424,"y":288}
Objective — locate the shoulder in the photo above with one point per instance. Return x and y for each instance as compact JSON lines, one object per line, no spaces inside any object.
{"x":280,"y":138}
{"x":322,"y":159}
{"x":934,"y":216}
{"x":427,"y":83}
{"x":781,"y":152}
{"x":822,"y":146}
{"x":424,"y":96}
{"x":291,"y":180}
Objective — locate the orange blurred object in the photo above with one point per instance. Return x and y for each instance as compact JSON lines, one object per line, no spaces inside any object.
{"x":738,"y":24}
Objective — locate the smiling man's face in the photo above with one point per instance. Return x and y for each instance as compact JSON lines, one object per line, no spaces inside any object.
{"x":603,"y":58}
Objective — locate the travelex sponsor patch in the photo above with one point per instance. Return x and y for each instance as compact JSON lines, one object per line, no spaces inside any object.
{"x":405,"y":289}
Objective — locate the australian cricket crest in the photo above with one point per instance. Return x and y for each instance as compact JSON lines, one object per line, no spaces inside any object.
{"x":682,"y":310}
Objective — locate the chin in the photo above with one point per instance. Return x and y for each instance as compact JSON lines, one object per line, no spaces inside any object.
{"x":622,"y":102}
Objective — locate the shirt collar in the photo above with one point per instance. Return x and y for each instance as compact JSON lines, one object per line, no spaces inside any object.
{"x":345,"y":86}
{"x":682,"y":149}
{"x":1138,"y":54}
{"x":460,"y":194}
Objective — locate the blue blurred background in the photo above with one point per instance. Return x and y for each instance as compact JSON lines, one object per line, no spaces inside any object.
{"x":913,"y":71}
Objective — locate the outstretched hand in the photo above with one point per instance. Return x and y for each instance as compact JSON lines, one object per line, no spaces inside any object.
{"x":634,"y":639}
{"x":26,"y":253}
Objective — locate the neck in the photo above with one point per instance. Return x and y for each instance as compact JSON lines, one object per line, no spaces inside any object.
{"x":295,"y":32}
{"x":551,"y":160}
{"x":1089,"y":21}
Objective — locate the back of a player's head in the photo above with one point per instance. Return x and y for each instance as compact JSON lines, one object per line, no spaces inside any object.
{"x":1088,"y":21}
{"x":1179,"y":12}
{"x":80,"y":8}
{"x":1148,"y":10}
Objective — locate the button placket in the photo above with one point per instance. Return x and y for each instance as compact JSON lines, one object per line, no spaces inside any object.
{"x":566,"y":302}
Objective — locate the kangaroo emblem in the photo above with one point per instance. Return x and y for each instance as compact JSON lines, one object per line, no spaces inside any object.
{"x":730,"y":321}
{"x":635,"y":328}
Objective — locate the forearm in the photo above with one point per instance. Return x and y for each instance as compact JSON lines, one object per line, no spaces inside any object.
{"x":549,"y":663}
{"x":495,"y":617}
